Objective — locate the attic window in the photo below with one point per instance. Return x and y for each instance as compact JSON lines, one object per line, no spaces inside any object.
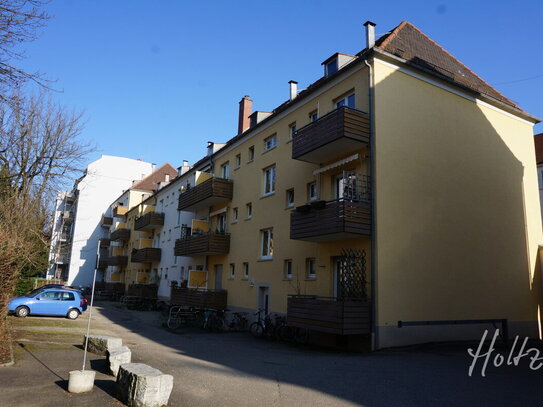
{"x":331,"y":67}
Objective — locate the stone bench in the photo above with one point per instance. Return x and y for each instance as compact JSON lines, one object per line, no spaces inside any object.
{"x":118,"y":356}
{"x":139,"y":385}
{"x":100,"y":344}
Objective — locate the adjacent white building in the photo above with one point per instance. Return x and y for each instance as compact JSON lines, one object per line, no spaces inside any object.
{"x":77,"y":220}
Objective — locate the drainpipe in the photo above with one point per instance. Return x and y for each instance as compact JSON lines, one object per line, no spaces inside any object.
{"x":374,"y":332}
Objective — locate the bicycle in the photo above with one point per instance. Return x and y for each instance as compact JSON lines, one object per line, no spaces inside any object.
{"x":264,"y":326}
{"x":238,"y":323}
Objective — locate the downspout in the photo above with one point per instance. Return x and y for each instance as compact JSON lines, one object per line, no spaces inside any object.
{"x":373,"y":289}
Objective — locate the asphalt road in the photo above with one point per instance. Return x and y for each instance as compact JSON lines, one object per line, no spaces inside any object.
{"x":234,"y":369}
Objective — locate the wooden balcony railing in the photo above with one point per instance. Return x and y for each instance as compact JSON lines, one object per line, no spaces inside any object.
{"x":203,"y":244}
{"x":147,"y":255}
{"x":331,"y":220}
{"x":208,"y":193}
{"x":120,"y":235}
{"x":103,"y":263}
{"x":149,"y":221}
{"x":117,"y":261}
{"x":107,"y":221}
{"x":329,"y":314}
{"x":209,"y":299}
{"x":104,"y":242}
{"x":332,"y":136}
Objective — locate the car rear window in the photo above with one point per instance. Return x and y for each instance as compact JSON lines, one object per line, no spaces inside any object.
{"x":67,"y":296}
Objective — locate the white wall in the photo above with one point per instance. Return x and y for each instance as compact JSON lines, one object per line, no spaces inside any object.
{"x":170,"y":268}
{"x":105,"y":180}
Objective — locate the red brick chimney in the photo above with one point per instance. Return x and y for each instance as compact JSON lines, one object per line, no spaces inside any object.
{"x":245,"y":110}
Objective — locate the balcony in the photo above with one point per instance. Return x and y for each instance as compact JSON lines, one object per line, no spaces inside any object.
{"x":104,"y":242}
{"x":208,"y":299}
{"x":117,"y":260}
{"x":119,"y":211}
{"x":332,"y":136}
{"x":68,"y":216}
{"x":147,"y":255}
{"x":149,"y":221}
{"x":323,"y":221}
{"x":210,"y":192}
{"x":106,"y":222}
{"x":332,"y":315}
{"x":121,"y":234}
{"x":202,"y":245}
{"x":102,"y":263}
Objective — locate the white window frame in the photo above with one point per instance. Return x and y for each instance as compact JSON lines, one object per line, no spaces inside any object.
{"x":291,"y":131}
{"x":225,"y":170}
{"x":311,"y":197}
{"x":270,"y":142}
{"x":269,"y":180}
{"x":287,"y":271}
{"x":245,"y":271}
{"x":235,"y":215}
{"x":266,"y":244}
{"x":249,"y":209}
{"x":251,"y":153}
{"x":238,"y":160}
{"x":289,"y":203}
{"x":232,"y":271}
{"x":344,"y":101}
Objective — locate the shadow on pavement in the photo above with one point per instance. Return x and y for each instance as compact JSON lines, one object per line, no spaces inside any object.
{"x":22,"y":345}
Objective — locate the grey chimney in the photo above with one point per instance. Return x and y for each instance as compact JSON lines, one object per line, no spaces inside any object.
{"x":293,"y":89}
{"x":370,"y":34}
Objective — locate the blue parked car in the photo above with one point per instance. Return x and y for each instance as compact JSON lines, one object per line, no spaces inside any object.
{"x":52,"y":301}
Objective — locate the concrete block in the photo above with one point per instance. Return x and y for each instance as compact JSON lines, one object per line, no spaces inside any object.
{"x":100,"y":344}
{"x":81,"y":381}
{"x":139,"y":385}
{"x":118,"y":356}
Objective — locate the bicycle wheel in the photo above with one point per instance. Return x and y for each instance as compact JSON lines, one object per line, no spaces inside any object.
{"x":256,"y":329}
{"x":174,"y":322}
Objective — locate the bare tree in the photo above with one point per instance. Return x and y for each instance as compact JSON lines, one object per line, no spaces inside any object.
{"x":40,"y":150}
{"x":20,"y":21}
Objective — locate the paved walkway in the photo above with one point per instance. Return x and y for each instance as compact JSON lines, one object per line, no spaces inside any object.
{"x":233,"y":369}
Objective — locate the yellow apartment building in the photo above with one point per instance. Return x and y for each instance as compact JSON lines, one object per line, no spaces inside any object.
{"x":395,"y":197}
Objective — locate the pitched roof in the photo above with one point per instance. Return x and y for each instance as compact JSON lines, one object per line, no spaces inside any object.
{"x":150,"y":182}
{"x":408,"y":42}
{"x":538,"y":140}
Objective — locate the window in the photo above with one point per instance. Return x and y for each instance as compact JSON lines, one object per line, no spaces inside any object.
{"x":225,"y":170}
{"x":313,"y":116}
{"x":249,"y":207}
{"x":287,"y":269}
{"x":235,"y":214}
{"x":346,"y":101}
{"x":331,"y":67}
{"x":245,"y":271}
{"x":221,"y":224}
{"x":345,"y":186}
{"x":174,"y":260}
{"x":290,"y":197}
{"x":251,"y":153}
{"x":232,"y":270}
{"x":169,"y":235}
{"x":312,"y":191}
{"x":178,"y":218}
{"x":238,"y":160}
{"x":310,"y":267}
{"x":291,"y":130}
{"x":267,"y":244}
{"x":270,"y":142}
{"x":67,"y":296}
{"x":269,"y":180}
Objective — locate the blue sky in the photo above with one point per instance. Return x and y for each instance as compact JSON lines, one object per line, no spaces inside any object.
{"x":158,"y":79}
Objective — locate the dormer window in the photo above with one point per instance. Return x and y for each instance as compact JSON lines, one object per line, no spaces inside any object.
{"x":331,"y":67}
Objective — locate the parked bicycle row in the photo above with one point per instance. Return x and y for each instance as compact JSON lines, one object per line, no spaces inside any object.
{"x":269,"y":326}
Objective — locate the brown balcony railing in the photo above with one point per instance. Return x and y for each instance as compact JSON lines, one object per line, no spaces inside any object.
{"x":149,"y":221}
{"x":147,"y":255}
{"x":331,"y":220}
{"x":203,"y":244}
{"x":329,"y":314}
{"x":209,"y":299}
{"x":102,"y":263}
{"x":117,"y":261}
{"x":120,"y":235}
{"x":107,"y":221}
{"x":104,"y":242}
{"x":208,"y":193}
{"x":332,"y":136}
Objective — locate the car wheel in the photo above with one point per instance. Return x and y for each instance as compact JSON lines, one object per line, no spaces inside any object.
{"x":72,"y":314}
{"x":22,"y":312}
